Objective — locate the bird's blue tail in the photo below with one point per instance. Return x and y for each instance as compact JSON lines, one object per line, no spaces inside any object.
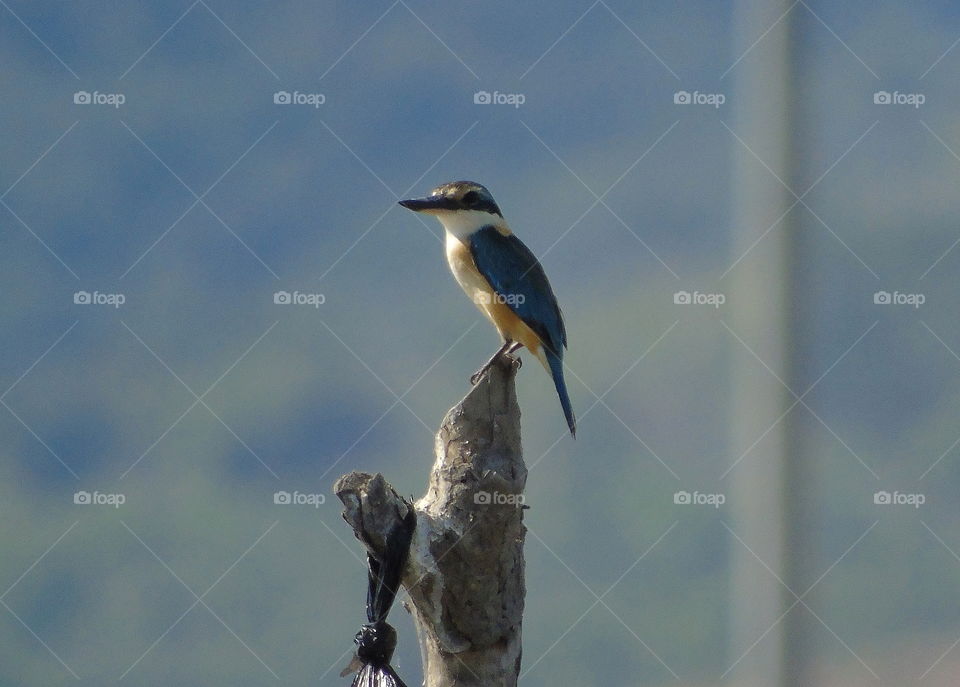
{"x":556,"y":371}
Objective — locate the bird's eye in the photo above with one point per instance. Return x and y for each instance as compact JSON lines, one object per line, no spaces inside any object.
{"x":470,"y":198}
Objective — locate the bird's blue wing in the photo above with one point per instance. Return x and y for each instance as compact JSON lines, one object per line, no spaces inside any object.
{"x":517,"y":277}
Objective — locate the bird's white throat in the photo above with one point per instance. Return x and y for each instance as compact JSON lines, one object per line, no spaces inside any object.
{"x":462,"y":223}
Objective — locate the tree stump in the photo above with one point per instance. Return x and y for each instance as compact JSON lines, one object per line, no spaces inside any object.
{"x":465,"y":570}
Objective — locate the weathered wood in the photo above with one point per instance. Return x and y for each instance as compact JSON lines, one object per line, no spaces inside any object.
{"x":465,"y":571}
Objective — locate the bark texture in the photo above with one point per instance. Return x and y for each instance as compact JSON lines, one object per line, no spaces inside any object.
{"x":465,"y":571}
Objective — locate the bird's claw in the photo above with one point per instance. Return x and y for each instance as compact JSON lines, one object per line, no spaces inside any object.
{"x":506,"y":357}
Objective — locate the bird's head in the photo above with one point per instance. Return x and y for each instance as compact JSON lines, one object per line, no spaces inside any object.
{"x":461,"y":206}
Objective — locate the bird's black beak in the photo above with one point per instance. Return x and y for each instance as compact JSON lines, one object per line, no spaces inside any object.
{"x":430,"y":204}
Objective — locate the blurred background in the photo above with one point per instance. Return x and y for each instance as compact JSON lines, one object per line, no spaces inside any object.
{"x":210,"y":296}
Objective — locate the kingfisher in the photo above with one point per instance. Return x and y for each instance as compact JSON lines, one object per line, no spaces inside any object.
{"x":502,"y":277}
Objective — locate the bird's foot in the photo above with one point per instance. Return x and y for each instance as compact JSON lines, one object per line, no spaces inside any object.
{"x":504,"y":357}
{"x":476,"y":376}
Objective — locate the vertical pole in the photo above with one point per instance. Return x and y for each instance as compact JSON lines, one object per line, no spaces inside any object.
{"x":767,"y":485}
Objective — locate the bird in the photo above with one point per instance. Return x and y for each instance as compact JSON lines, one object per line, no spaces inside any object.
{"x":502,"y":277}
